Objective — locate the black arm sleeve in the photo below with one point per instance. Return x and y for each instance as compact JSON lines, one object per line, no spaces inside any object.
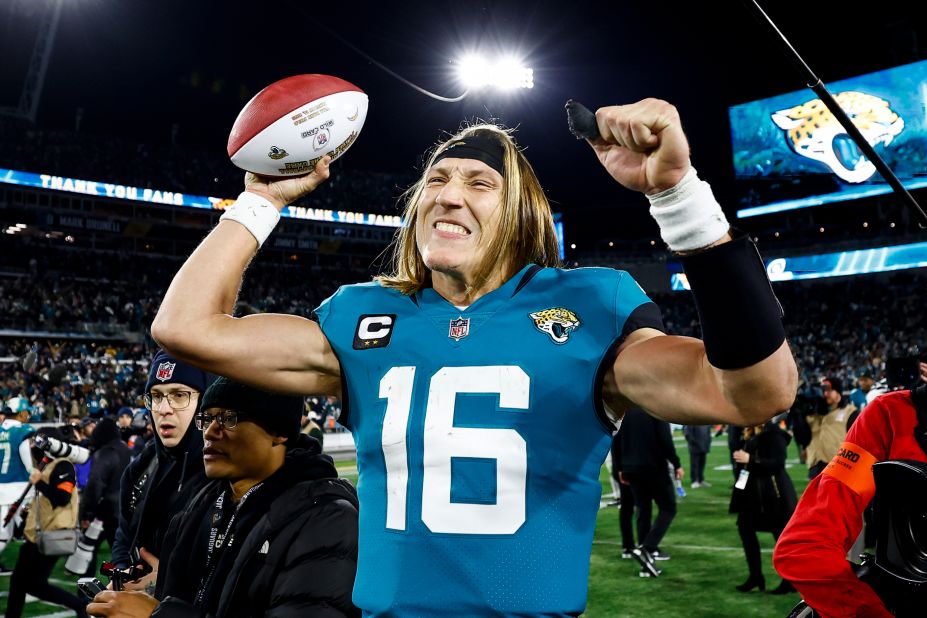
{"x":62,"y":483}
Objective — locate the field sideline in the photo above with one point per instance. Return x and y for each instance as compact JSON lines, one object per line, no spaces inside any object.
{"x":707,"y":560}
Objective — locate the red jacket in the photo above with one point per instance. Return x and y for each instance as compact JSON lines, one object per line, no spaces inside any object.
{"x":811,"y":552}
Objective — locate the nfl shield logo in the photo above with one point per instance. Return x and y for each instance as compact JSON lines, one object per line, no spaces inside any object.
{"x":165,"y":371}
{"x":459,"y":329}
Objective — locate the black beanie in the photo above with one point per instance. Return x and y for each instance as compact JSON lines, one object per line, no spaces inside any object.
{"x":165,"y":369}
{"x":278,"y":413}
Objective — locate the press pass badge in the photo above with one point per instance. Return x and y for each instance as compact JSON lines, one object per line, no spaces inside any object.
{"x":742,"y":480}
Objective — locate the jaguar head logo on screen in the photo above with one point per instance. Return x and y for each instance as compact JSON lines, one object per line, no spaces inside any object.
{"x":813,"y":132}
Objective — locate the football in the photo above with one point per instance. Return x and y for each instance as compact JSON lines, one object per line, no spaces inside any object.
{"x":291,"y":124}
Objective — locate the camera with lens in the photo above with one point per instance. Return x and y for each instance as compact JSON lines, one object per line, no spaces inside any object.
{"x":810,"y":400}
{"x":54,"y":447}
{"x":904,"y":371}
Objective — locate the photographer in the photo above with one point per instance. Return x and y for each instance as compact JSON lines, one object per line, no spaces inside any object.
{"x":820,"y":421}
{"x":811,"y":553}
{"x":54,"y":508}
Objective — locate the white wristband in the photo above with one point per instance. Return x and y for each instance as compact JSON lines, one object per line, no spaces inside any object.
{"x":688,"y":214}
{"x":254,"y":212}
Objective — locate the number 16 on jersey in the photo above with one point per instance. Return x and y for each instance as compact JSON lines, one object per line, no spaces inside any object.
{"x":443,"y":441}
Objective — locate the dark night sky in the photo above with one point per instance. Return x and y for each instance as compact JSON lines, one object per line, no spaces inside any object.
{"x":133,"y":65}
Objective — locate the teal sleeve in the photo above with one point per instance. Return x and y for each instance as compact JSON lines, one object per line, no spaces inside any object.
{"x":322,"y":312}
{"x":633,"y":308}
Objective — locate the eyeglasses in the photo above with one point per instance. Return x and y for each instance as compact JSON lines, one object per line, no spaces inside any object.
{"x":177,"y":400}
{"x":227,"y":419}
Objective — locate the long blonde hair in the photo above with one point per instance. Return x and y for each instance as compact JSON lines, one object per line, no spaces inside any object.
{"x":526,"y":227}
{"x":755,"y":430}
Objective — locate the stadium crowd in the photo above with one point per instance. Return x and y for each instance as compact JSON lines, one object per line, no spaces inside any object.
{"x":172,"y":167}
{"x":844,"y":327}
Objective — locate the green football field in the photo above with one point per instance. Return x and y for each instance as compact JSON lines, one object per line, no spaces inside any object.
{"x":707,"y":560}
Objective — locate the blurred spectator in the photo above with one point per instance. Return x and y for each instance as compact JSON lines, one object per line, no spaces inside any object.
{"x":763,"y":496}
{"x":83,"y":430}
{"x":825,"y":427}
{"x":646,"y":448}
{"x":625,"y":500}
{"x":698,"y":438}
{"x":15,"y":466}
{"x":309,"y":426}
{"x":864,"y":384}
{"x":100,"y":499}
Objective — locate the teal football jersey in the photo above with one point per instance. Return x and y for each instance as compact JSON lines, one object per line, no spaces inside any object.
{"x":12,"y":469}
{"x":480,"y":434}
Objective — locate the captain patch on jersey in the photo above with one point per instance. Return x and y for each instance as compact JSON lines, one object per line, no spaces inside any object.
{"x":373,"y":331}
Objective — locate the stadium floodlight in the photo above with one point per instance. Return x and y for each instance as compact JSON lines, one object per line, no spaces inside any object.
{"x":505,"y":73}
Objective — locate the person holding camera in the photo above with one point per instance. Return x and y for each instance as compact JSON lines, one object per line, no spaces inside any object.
{"x":823,"y":424}
{"x":163,"y":479}
{"x":55,"y":507}
{"x":812,"y":550}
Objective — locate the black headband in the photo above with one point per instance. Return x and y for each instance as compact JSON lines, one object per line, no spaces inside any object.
{"x":484,"y":149}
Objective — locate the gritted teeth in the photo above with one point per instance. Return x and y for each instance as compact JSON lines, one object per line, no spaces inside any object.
{"x":451,"y":227}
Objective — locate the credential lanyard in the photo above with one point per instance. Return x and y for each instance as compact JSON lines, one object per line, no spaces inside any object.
{"x":216,"y":542}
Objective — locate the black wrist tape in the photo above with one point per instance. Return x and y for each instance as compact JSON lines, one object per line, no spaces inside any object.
{"x":740,"y":314}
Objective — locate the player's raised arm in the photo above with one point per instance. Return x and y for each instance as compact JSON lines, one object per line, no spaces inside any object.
{"x":743,"y":373}
{"x":286,"y":353}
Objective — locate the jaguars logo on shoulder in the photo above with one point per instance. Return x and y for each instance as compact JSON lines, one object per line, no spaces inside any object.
{"x":277,"y":153}
{"x":556,"y":322}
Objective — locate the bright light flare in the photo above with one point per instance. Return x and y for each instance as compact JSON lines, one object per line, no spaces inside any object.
{"x":505,"y":73}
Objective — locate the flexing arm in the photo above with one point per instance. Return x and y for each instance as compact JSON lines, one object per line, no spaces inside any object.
{"x":671,"y":378}
{"x":644,"y":148}
{"x":277,"y":352}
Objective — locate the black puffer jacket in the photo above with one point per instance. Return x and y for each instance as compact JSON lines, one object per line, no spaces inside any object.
{"x":768,"y":500}
{"x":294,"y":553}
{"x":646,"y":444}
{"x":110,"y":458}
{"x":156,"y":486}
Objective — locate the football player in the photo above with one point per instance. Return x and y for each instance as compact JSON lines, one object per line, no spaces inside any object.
{"x":462,"y":369}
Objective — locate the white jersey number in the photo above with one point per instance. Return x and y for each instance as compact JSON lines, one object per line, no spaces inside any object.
{"x":5,"y":457}
{"x":444,"y":441}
